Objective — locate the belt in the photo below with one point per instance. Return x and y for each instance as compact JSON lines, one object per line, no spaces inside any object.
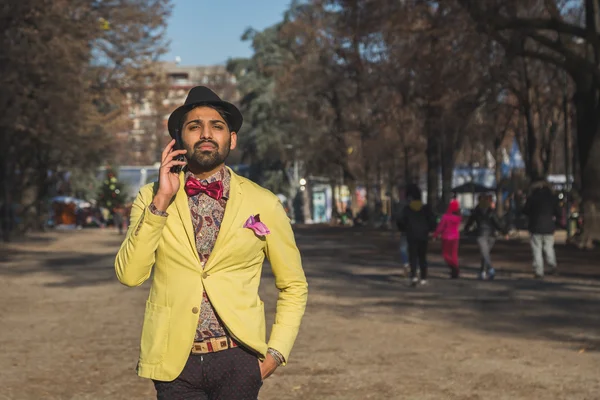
{"x":212,"y":345}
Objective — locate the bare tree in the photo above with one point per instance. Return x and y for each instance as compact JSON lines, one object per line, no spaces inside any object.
{"x":63,"y":67}
{"x":566,"y":35}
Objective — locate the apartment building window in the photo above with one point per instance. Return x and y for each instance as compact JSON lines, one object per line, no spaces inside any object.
{"x":179,"y":79}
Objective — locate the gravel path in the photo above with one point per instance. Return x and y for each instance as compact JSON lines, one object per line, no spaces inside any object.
{"x":70,"y":331}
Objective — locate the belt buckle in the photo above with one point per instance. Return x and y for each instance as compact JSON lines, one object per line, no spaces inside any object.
{"x":219,"y":344}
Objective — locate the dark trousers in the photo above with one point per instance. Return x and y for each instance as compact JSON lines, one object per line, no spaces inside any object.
{"x":417,"y":255}
{"x":232,"y":374}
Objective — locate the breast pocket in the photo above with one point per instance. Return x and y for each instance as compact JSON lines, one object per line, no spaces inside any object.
{"x":155,"y":333}
{"x":247,"y":244}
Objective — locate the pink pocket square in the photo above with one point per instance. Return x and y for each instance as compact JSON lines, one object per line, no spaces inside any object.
{"x":258,"y":227}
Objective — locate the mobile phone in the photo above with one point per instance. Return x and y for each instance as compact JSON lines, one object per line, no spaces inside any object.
{"x":178,"y":146}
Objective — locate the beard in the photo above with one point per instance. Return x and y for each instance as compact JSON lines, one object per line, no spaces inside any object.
{"x":207,"y":160}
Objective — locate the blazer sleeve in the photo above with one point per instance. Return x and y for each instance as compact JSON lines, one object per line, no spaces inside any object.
{"x":284,"y":257}
{"x":136,"y":256}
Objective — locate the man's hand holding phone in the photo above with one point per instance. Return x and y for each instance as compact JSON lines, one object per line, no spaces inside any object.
{"x":168,"y":180}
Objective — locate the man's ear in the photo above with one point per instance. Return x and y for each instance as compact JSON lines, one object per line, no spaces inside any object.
{"x":233,"y":141}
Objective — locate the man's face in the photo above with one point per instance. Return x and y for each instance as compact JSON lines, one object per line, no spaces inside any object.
{"x":206,"y":138}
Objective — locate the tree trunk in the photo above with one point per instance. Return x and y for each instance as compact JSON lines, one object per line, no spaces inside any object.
{"x":407,"y":169}
{"x":392,"y":181}
{"x":498,"y":175}
{"x":532,"y":166}
{"x":447,"y":161}
{"x":575,"y":165}
{"x":369,"y":200}
{"x":5,"y":201}
{"x":353,"y":198}
{"x":433,"y":164}
{"x":449,"y":145}
{"x":379,"y":197}
{"x":335,"y":200}
{"x":548,"y":150}
{"x":587,"y":108}
{"x":307,"y":204}
{"x":41,"y":201}
{"x":433,"y":156}
{"x":586,"y":105}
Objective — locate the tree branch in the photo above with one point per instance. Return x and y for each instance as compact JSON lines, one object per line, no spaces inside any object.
{"x":527,"y":24}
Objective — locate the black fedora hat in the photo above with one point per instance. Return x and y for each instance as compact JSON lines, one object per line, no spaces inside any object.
{"x":203,"y":95}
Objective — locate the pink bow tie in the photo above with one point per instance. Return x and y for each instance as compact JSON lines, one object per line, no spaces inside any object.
{"x":213,"y":189}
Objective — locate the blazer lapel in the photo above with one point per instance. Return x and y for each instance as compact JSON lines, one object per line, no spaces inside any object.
{"x":183,"y":209}
{"x":231,"y":211}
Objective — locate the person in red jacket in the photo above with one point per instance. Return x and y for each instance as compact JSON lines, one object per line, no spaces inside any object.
{"x":449,"y":230}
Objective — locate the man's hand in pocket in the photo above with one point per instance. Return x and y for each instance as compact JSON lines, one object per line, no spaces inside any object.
{"x":267,"y":367}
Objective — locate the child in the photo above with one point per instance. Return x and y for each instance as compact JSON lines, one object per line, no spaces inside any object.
{"x":486,"y":224}
{"x":416,"y":222}
{"x":448,"y":229}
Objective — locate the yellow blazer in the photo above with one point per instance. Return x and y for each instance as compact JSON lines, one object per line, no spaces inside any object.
{"x":230,"y":278}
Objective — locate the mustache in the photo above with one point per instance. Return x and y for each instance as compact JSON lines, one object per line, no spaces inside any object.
{"x":201,"y":142}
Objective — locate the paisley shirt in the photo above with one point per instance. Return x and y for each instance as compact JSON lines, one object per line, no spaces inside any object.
{"x":207,"y":215}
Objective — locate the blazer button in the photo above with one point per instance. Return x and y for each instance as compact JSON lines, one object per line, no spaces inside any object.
{"x":204,"y":275}
{"x":195,"y":310}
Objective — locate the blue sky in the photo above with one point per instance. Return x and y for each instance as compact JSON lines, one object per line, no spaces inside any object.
{"x":208,"y":32}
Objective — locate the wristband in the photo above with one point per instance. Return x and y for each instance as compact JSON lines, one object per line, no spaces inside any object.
{"x":276,"y":355}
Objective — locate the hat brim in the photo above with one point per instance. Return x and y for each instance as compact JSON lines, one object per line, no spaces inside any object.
{"x":235,"y":118}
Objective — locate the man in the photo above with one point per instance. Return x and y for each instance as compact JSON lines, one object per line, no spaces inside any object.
{"x":416,"y":221}
{"x":207,"y":231}
{"x":543,"y":210}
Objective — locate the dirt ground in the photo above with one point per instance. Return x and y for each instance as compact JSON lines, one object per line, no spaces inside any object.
{"x":71,"y":331}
